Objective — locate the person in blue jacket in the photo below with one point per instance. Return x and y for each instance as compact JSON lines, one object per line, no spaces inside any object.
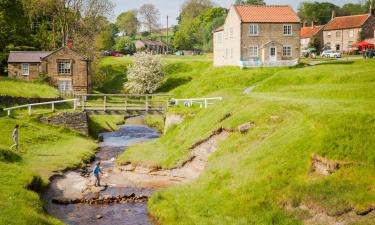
{"x":97,"y":171}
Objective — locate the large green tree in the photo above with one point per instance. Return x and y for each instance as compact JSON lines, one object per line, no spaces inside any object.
{"x":128,"y":23}
{"x":316,"y":11}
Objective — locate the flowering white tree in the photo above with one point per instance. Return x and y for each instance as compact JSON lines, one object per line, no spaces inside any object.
{"x":145,"y":74}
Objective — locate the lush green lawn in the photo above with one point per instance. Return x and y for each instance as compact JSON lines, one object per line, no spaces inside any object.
{"x":26,"y":89}
{"x":327,"y":109}
{"x":45,"y":150}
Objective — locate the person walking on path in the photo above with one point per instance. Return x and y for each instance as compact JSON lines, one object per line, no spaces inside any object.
{"x":15,"y":138}
{"x":97,"y":171}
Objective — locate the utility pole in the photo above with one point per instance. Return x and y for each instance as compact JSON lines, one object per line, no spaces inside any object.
{"x":167,"y":33}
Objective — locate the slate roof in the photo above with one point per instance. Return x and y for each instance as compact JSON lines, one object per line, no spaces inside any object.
{"x":347,"y":22}
{"x":27,"y":56}
{"x":267,"y":14}
{"x":308,"y":32}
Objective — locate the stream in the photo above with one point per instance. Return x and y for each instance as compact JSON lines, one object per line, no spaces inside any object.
{"x":73,"y":182}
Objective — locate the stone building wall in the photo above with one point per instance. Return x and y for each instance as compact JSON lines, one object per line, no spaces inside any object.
{"x":77,"y":121}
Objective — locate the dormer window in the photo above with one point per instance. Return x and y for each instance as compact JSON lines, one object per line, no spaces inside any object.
{"x":253,"y":30}
{"x":64,"y":67}
{"x":287,"y":30}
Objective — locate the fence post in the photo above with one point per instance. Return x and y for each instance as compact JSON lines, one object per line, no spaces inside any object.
{"x":53,"y":107}
{"x":146,"y":103}
{"x":166,"y":105}
{"x":83,"y":104}
{"x":205,"y":103}
{"x":8,"y":112}
{"x":29,"y":110}
{"x":105,"y":103}
{"x":75,"y":104}
{"x":126,"y":103}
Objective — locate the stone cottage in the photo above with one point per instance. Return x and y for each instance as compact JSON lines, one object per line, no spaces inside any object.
{"x":258,"y":36}
{"x":308,"y":33}
{"x":341,"y":32}
{"x":66,"y":69}
{"x":155,"y":47}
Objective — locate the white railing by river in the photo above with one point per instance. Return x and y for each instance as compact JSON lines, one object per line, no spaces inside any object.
{"x":53,"y":103}
{"x":202,"y":102}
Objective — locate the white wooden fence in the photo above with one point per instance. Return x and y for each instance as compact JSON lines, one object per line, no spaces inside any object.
{"x":258,"y":63}
{"x":202,"y":102}
{"x":53,"y":103}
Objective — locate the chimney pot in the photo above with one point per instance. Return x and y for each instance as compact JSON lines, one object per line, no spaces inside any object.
{"x":333,"y":14}
{"x":69,"y":44}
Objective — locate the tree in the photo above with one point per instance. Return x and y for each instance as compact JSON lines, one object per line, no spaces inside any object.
{"x":124,"y":45}
{"x":149,"y":16}
{"x":250,"y":2}
{"x":128,"y":23}
{"x":145,"y":74}
{"x":104,"y":40}
{"x":319,"y":12}
{"x":315,"y":43}
{"x":351,"y":9}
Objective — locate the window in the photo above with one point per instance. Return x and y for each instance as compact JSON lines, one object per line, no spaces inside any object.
{"x":253,"y":51}
{"x":328,"y":45}
{"x":287,"y":29}
{"x":220,"y":37}
{"x":329,"y":34}
{"x":64,"y":67}
{"x":287,"y":51}
{"x":351,"y":33}
{"x":65,"y":85}
{"x":338,"y":47}
{"x":338,"y":34}
{"x":25,"y":69}
{"x":253,"y":30}
{"x":231,"y":33}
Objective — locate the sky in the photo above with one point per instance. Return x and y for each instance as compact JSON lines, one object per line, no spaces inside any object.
{"x":172,"y":8}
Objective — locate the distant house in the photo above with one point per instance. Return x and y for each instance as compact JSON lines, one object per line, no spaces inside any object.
{"x":66,"y":69}
{"x":308,"y":33}
{"x":155,"y":47}
{"x":341,"y":32}
{"x":258,"y":36}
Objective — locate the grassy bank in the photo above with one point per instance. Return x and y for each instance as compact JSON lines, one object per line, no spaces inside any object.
{"x":44,"y":151}
{"x":327,"y":110}
{"x":26,"y":89}
{"x":104,"y":123}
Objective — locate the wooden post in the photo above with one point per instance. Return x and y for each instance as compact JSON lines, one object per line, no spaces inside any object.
{"x":166,"y":105}
{"x":29,"y":110}
{"x":8,"y":112}
{"x":105,"y":103}
{"x":53,"y":107}
{"x":126,"y":103}
{"x":147,"y":103}
{"x":205,"y":103}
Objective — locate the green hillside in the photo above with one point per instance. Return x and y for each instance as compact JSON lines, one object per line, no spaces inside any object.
{"x":43,"y":150}
{"x":264,"y":176}
{"x":26,"y":89}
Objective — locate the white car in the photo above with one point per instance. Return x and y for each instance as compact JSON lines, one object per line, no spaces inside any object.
{"x":330,"y":54}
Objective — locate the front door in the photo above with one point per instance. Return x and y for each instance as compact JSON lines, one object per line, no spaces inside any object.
{"x":273,"y":54}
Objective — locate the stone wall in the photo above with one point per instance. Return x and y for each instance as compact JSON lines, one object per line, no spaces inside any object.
{"x":77,"y":121}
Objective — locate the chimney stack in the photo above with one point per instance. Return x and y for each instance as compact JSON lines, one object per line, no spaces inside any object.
{"x":333,"y":14}
{"x":69,"y":44}
{"x":312,"y":24}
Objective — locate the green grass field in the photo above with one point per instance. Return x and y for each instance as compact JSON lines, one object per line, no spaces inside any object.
{"x":26,"y":89}
{"x":326,"y":109}
{"x":44,"y":151}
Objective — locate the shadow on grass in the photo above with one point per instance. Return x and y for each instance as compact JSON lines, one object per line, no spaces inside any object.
{"x":172,"y":83}
{"x":9,"y":156}
{"x":112,"y":78}
{"x":340,"y":62}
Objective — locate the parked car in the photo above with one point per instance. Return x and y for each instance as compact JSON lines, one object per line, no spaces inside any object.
{"x":369,"y":53}
{"x":117,"y":54}
{"x":330,"y":54}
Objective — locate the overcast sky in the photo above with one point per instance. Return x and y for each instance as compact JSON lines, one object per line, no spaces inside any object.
{"x":172,"y":7}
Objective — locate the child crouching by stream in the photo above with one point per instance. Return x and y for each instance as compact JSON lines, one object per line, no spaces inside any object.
{"x":97,"y":171}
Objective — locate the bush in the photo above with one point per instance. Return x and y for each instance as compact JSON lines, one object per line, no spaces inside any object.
{"x":145,"y":74}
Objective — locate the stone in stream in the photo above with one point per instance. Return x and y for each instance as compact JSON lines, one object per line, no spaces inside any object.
{"x":98,"y":217}
{"x":61,"y":201}
{"x":245,"y":127}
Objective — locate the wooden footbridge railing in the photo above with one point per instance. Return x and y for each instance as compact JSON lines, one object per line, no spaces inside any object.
{"x":120,"y":103}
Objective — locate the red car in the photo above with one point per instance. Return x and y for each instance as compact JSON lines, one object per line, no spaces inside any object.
{"x":117,"y":54}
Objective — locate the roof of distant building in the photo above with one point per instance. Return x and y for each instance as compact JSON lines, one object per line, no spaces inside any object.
{"x":148,"y":42}
{"x":221,"y":28}
{"x":308,"y":32}
{"x":27,"y":56}
{"x":347,"y":22}
{"x":267,"y":14}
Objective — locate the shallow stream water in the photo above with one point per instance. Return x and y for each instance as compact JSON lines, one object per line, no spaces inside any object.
{"x":114,"y":143}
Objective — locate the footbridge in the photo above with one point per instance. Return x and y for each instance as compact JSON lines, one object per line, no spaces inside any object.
{"x":115,"y":104}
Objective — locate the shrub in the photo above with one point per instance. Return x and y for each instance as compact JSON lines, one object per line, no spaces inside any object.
{"x":145,"y":74}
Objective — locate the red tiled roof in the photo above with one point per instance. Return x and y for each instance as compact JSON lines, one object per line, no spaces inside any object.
{"x":308,"y":32}
{"x":221,"y":28}
{"x":27,"y":56}
{"x":267,"y":14}
{"x":345,"y":22}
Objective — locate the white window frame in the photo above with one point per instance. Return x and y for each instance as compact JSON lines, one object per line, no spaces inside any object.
{"x":253,"y":51}
{"x":286,"y":31}
{"x":285,"y":51}
{"x":65,"y":85}
{"x":253,"y":29}
{"x":329,"y":34}
{"x":25,"y":68}
{"x":220,"y":37}
{"x":231,"y":33}
{"x":338,"y":34}
{"x":67,"y":70}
